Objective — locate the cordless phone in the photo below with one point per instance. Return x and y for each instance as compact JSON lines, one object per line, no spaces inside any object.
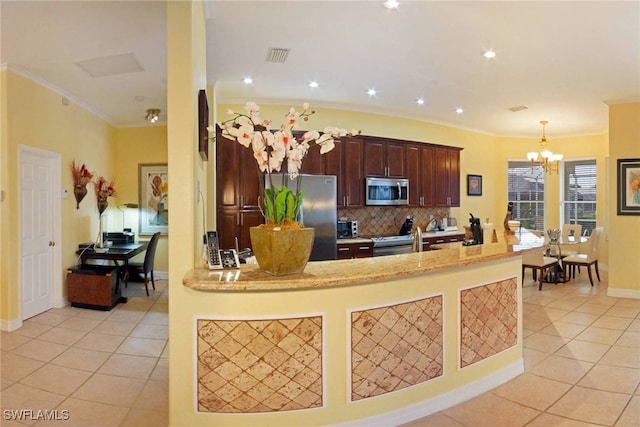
{"x":217,"y":258}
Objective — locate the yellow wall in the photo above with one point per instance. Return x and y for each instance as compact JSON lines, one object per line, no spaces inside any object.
{"x":5,"y":248}
{"x":624,"y":143}
{"x":134,"y":146}
{"x":186,"y":69}
{"x":35,"y":116}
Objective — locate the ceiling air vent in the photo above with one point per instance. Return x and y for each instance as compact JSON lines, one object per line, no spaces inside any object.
{"x":277,"y":54}
{"x":518,"y":108}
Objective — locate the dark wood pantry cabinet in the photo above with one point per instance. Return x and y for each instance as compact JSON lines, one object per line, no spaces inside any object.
{"x":447,"y":177}
{"x":345,"y":161}
{"x":237,"y":193}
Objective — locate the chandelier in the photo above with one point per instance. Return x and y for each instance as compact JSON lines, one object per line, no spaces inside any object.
{"x":550,"y":162}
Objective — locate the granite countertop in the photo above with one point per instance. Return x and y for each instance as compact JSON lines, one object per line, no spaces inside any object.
{"x":353,"y":271}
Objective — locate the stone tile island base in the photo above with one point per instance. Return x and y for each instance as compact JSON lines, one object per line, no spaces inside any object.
{"x":396,"y":343}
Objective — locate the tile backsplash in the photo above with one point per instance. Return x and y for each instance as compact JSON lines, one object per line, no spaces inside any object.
{"x":387,"y":220}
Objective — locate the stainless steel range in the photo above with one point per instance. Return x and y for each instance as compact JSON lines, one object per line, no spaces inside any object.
{"x":392,"y":245}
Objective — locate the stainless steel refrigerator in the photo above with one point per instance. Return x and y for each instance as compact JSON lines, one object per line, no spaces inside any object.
{"x":319,"y":211}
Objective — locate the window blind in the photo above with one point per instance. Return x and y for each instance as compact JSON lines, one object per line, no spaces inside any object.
{"x":579,"y":194}
{"x":526,"y":185}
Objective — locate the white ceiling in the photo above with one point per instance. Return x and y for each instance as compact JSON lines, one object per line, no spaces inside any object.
{"x":563,"y":60}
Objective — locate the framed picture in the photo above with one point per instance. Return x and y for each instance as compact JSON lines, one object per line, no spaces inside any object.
{"x":154,"y":198}
{"x":474,"y":185}
{"x":203,"y":123}
{"x":628,"y":186}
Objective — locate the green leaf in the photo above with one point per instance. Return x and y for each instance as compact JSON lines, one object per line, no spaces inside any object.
{"x":280,"y":204}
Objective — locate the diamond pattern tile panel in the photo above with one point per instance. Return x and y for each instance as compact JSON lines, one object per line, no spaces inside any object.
{"x":386,"y":221}
{"x":259,"y":365}
{"x":396,"y":346}
{"x":489,"y":320}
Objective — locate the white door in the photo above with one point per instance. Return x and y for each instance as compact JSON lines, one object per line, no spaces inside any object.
{"x":36,"y":233}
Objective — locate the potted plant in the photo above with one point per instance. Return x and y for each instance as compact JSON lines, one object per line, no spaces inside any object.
{"x":276,"y":244}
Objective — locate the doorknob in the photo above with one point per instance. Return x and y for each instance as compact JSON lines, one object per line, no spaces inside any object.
{"x":52,"y":243}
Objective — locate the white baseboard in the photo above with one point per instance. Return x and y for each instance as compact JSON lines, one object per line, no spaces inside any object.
{"x":10,"y":325}
{"x":623,"y":293}
{"x":444,"y":401}
{"x":161,"y":275}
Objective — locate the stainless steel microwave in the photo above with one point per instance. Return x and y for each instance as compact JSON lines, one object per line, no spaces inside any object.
{"x":387,"y":191}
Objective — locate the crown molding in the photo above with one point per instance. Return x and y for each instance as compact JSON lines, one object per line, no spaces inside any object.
{"x":39,"y":80}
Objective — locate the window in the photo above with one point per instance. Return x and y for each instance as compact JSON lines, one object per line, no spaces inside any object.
{"x":579,"y":206}
{"x":526,"y":190}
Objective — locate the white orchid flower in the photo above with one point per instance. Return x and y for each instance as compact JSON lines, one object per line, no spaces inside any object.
{"x":243,"y":134}
{"x":258,"y":143}
{"x":252,"y":108}
{"x":326,"y":143}
{"x":311,"y":135}
{"x":244,"y":121}
{"x":210,"y":129}
{"x":262,"y":159}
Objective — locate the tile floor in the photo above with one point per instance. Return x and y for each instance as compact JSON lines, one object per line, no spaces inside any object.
{"x":581,"y":352}
{"x":582,"y":364}
{"x":106,"y":368}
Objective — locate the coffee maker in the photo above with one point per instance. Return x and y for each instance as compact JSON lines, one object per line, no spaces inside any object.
{"x":476,"y":230}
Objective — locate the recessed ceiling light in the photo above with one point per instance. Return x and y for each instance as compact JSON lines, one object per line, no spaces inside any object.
{"x":371,"y":92}
{"x":247,"y":80}
{"x":420,"y":101}
{"x":313,"y":83}
{"x":391,"y":4}
{"x":459,"y":110}
{"x":489,"y":54}
{"x":139,"y":98}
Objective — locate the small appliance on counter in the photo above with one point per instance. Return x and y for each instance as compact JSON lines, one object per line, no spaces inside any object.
{"x":347,"y":229}
{"x":476,"y":231}
{"x":407,"y":226}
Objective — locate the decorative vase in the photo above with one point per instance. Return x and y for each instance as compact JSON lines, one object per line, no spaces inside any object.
{"x":282,"y":252}
{"x":103,"y":204}
{"x":79,"y":190}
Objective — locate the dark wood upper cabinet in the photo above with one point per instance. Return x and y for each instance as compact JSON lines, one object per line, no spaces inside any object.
{"x":384,"y":159}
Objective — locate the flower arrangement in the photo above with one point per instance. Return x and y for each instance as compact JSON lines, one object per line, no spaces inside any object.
{"x":81,"y":175}
{"x":104,"y":189}
{"x":271,"y":149}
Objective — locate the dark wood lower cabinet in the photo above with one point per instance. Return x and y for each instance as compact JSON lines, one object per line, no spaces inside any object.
{"x":236,"y":223}
{"x":355,"y":250}
{"x":437,"y":240}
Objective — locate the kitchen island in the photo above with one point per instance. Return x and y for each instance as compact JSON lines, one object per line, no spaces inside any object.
{"x":350,"y":342}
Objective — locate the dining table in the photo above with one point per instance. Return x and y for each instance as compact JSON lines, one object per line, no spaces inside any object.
{"x":555,"y":250}
{"x":116,"y":253}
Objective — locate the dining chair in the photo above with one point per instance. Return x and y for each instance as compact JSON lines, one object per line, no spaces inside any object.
{"x":586,"y":258}
{"x":146,"y":267}
{"x":569,"y":230}
{"x":535,"y":260}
